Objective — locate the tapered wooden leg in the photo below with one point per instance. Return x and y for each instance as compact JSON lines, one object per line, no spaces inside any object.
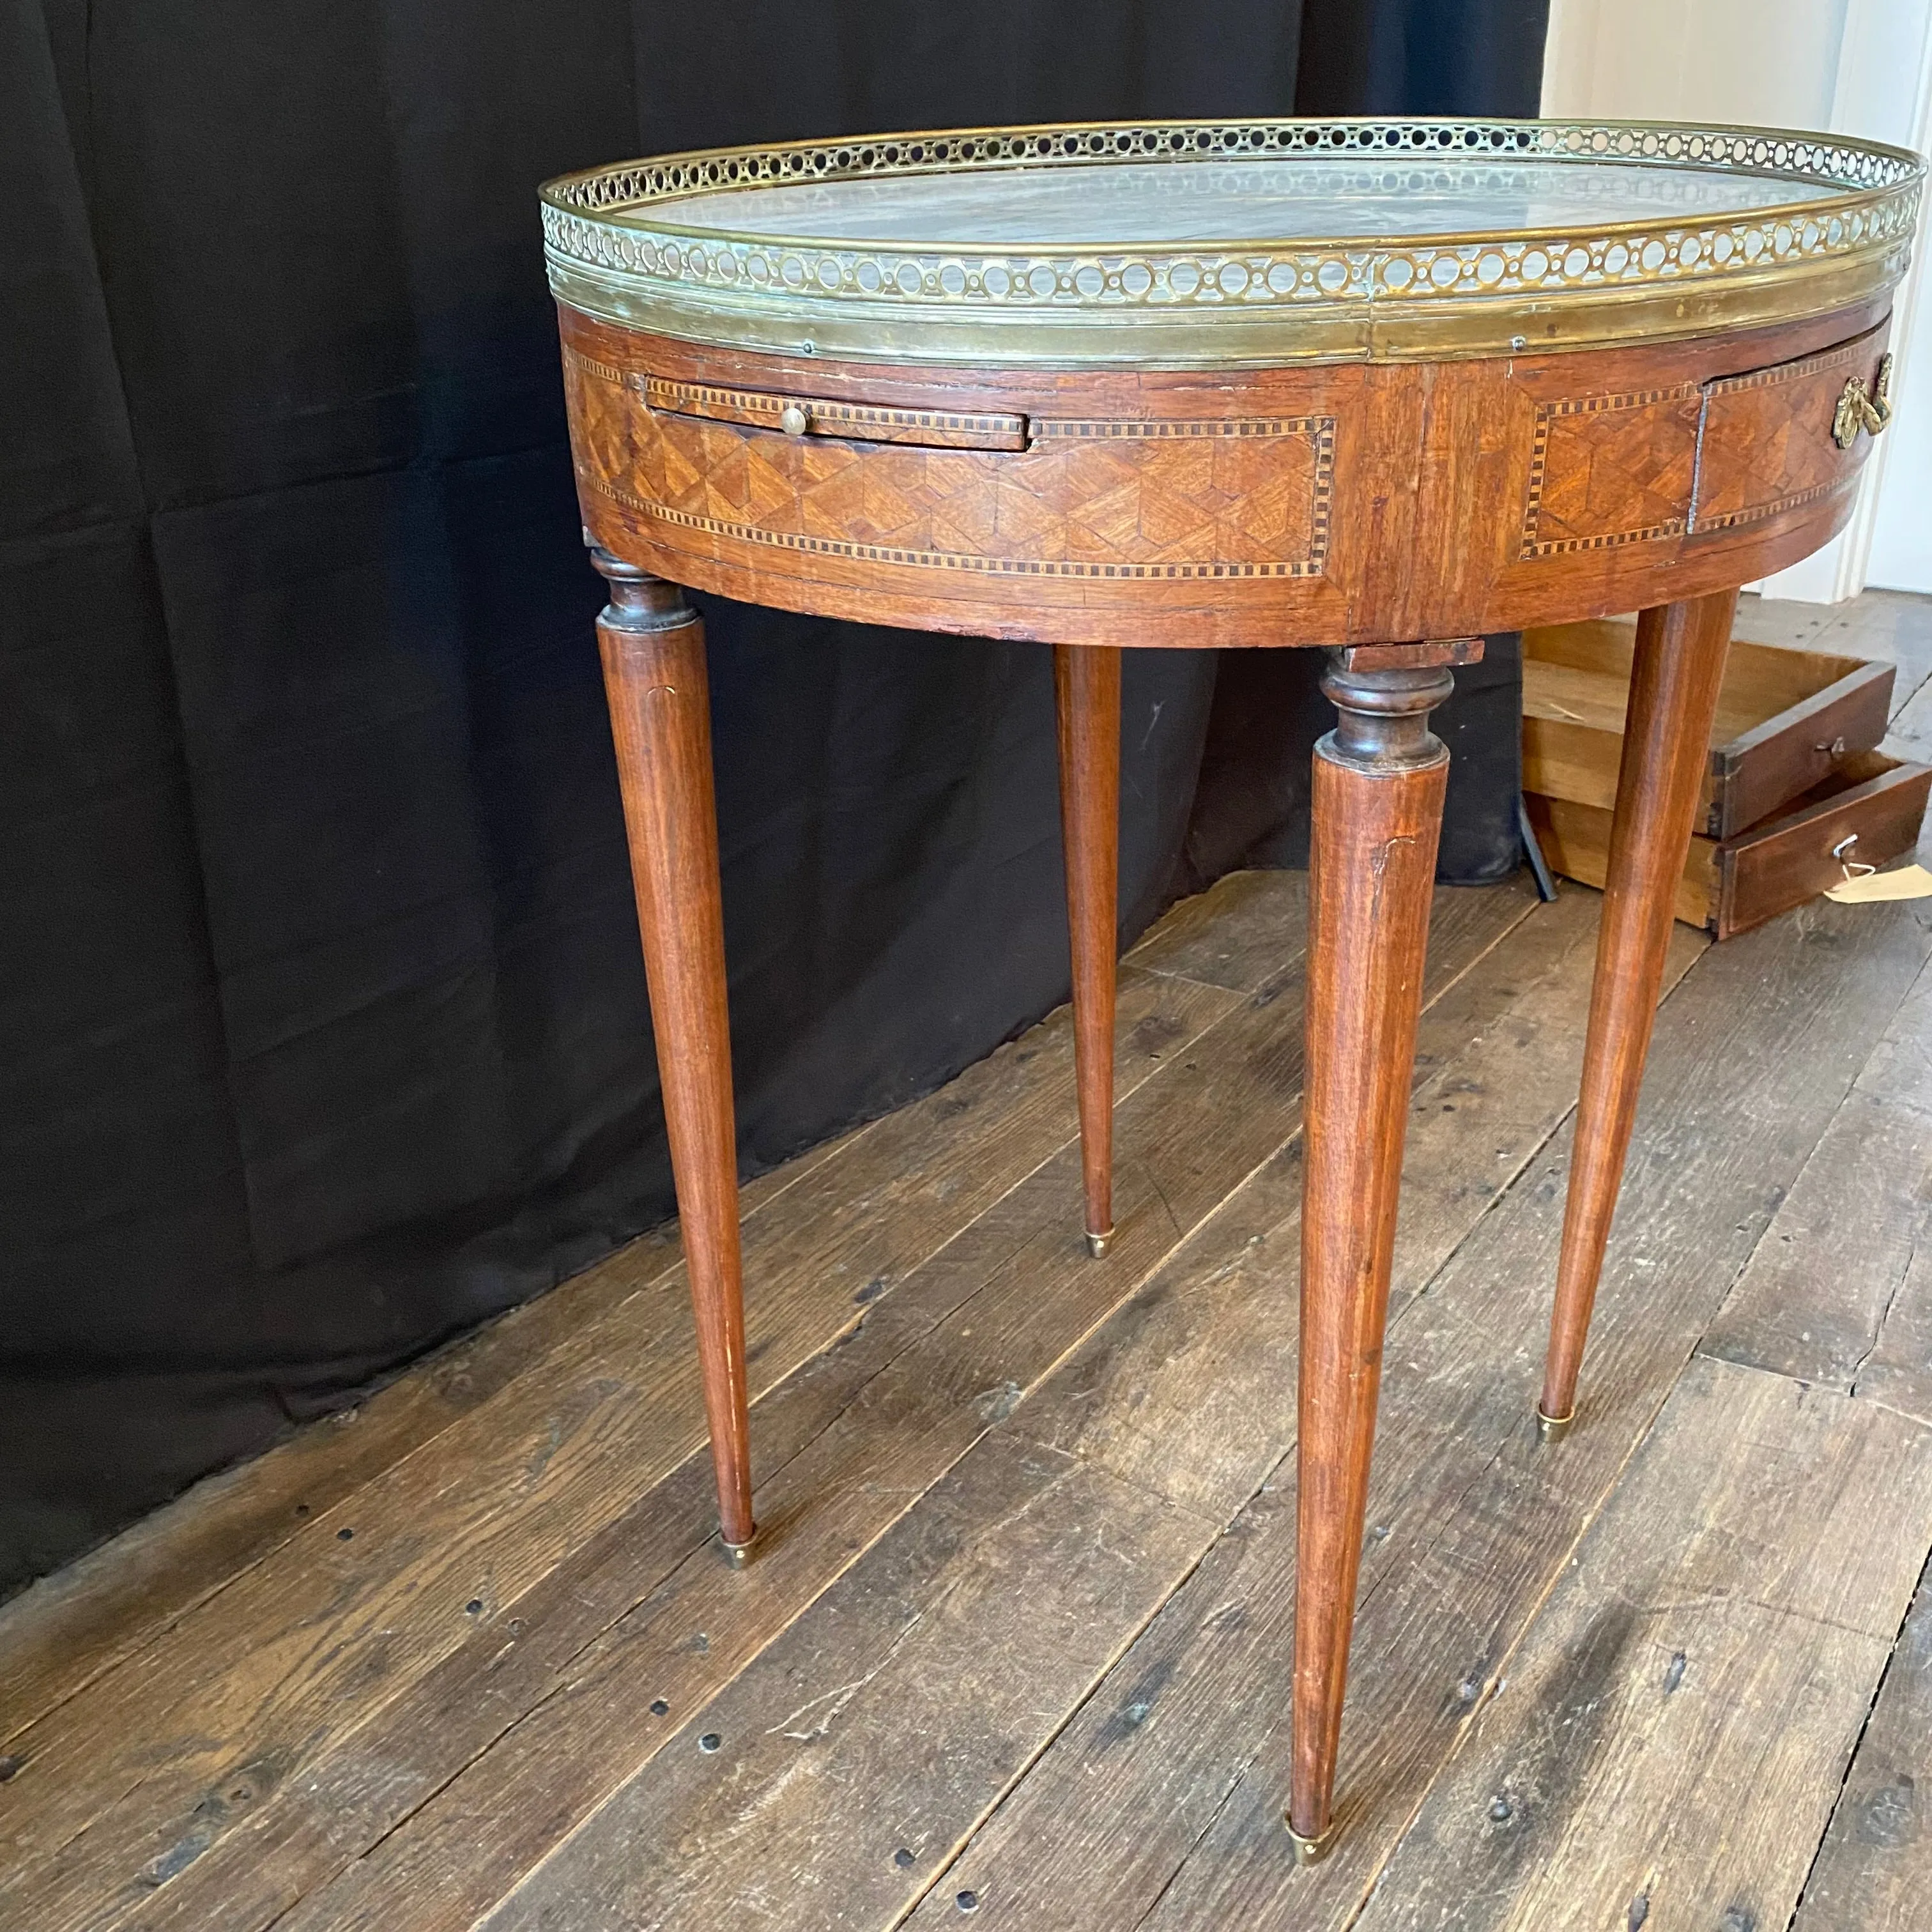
{"x":1673,"y":699}
{"x":1087,"y":691}
{"x":653,"y":649}
{"x":1379,"y":777}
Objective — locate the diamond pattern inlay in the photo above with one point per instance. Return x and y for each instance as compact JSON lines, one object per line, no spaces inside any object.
{"x":1608,"y":470}
{"x":1245,"y":498}
{"x":1768,"y":444}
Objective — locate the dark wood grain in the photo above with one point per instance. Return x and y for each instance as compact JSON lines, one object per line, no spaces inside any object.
{"x":1379,"y":780}
{"x":1679,"y":665}
{"x":1087,"y":692}
{"x":660,"y":700}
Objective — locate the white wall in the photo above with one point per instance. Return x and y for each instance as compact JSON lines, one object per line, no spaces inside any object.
{"x":1854,"y":67}
{"x":1760,"y":62}
{"x":1901,"y":544}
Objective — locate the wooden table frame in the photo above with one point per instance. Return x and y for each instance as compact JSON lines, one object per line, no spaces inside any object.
{"x":1391,"y":508}
{"x":1379,"y":780}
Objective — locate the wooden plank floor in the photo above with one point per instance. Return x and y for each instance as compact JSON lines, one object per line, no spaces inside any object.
{"x":1015,"y":1647}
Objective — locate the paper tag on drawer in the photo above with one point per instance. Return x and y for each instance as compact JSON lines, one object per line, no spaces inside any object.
{"x":1909,"y":882}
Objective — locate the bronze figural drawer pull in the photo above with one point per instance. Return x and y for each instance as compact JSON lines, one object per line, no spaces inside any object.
{"x":820,"y":415}
{"x":1859,"y":409}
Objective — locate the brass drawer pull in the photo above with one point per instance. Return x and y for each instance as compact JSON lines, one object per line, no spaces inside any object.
{"x":820,"y":415}
{"x":1859,"y":409}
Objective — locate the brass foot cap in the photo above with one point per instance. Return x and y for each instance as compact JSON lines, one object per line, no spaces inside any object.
{"x":1310,"y":1851}
{"x":1554,"y":1428}
{"x":739,"y":1554}
{"x":1097,"y":1245}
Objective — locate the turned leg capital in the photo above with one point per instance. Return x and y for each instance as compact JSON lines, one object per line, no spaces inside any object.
{"x":1382,"y":717}
{"x":1383,"y":694}
{"x":639,"y":601}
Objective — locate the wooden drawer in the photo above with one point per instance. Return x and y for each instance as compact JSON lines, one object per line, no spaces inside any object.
{"x":1731,"y":885}
{"x":1769,"y":441}
{"x":1785,"y":720}
{"x":796,"y":416}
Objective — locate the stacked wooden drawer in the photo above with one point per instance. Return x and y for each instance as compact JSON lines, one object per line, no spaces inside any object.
{"x":1794,"y":771}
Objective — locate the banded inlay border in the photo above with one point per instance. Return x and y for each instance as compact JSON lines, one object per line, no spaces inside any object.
{"x":1549,"y":413}
{"x":1319,"y":431}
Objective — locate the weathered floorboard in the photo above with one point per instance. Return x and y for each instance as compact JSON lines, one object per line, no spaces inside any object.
{"x":1839,"y":1291}
{"x":1668,"y":1741}
{"x":1195,"y":1395}
{"x":1221,"y":1111}
{"x":1235,"y":934}
{"x":1177,"y":1820}
{"x":57,"y":1636}
{"x":944,"y":1419}
{"x":1873,"y":1872}
{"x":313,"y":1641}
{"x":850,"y":1443}
{"x":1189,"y":1391}
{"x":922,"y":1679}
{"x":1753,"y":1055}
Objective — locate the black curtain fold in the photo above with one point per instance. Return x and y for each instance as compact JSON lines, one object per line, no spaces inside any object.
{"x":325,"y":1028}
{"x":1479,"y":57}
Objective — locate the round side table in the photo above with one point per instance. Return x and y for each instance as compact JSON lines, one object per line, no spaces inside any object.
{"x":1378,"y":386}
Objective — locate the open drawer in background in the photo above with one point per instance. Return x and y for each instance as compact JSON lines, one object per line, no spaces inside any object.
{"x":1731,"y":885}
{"x":1786,"y":718}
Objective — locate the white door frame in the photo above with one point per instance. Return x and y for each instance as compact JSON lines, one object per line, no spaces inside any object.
{"x":1885,"y":95}
{"x":1861,"y":67}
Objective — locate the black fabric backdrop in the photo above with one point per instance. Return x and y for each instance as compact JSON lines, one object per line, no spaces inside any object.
{"x":324,"y":1029}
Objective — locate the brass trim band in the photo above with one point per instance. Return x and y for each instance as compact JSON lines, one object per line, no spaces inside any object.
{"x":1845,"y":235}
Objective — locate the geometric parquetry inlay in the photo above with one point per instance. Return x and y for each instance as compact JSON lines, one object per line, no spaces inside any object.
{"x":1767,"y":440}
{"x":1175,"y":498}
{"x":1612,"y":469}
